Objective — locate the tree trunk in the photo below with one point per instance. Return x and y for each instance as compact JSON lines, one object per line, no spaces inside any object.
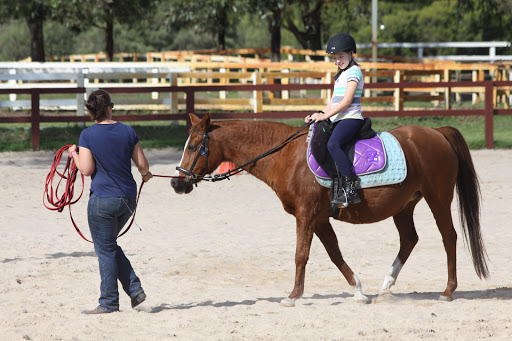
{"x":35,"y":26}
{"x":109,"y":38}
{"x":274,"y":26}
{"x":275,"y":36}
{"x":311,"y":37}
{"x":221,"y":33}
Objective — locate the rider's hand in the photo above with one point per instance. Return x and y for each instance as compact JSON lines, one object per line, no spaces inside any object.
{"x":316,"y":117}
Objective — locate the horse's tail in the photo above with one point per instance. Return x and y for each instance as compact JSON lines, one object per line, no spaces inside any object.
{"x":468,"y":192}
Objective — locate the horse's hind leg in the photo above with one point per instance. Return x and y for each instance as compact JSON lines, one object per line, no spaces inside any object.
{"x":408,"y":238}
{"x":328,"y":238}
{"x":443,"y":217}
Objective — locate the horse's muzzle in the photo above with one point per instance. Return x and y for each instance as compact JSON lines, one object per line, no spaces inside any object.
{"x":181,"y":186}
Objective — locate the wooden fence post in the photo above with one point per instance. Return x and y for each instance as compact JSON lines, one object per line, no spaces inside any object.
{"x":35,"y":118}
{"x":257,"y":96}
{"x":286,"y":93}
{"x":12,"y":97}
{"x":447,"y":91}
{"x":173,"y":80}
{"x":437,"y":79}
{"x":222,"y":81}
{"x":489,"y":113}
{"x":189,"y":105}
{"x":80,"y":101}
{"x":399,"y":92}
{"x":154,"y":95}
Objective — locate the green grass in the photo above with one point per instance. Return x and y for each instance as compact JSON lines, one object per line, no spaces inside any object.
{"x":160,"y":134}
{"x":16,"y":137}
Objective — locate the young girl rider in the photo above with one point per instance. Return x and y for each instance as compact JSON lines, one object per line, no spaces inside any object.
{"x":344,"y":109}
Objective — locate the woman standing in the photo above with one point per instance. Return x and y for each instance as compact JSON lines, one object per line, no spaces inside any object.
{"x":106,"y":151}
{"x":344,"y":110}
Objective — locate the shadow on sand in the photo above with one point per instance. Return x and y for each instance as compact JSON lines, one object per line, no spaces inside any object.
{"x":490,"y":294}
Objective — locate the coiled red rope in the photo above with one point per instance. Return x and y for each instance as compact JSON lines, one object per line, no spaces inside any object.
{"x":54,"y":201}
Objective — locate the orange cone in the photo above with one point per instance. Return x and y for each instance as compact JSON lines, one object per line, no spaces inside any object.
{"x":226,"y":167}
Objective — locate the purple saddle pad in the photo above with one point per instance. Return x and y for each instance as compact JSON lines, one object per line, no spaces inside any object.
{"x":369,"y":157}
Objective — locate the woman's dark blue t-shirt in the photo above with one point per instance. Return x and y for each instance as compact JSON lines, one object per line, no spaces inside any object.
{"x":112,"y":145}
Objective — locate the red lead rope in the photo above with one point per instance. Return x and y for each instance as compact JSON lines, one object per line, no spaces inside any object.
{"x":58,"y":202}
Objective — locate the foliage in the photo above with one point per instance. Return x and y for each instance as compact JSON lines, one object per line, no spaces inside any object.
{"x":34,"y":12}
{"x":80,"y":26}
{"x":216,"y":20}
{"x":308,"y":29}
{"x":81,"y":14}
{"x":15,"y":34}
{"x":490,"y":19}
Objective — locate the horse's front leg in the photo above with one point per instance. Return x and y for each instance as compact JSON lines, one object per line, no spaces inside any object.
{"x":326,"y":234}
{"x":304,"y":238}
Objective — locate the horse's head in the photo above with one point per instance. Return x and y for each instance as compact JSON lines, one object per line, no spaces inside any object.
{"x":197,"y":159}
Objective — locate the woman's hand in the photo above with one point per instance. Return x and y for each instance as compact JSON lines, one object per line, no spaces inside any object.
{"x":72,"y":150}
{"x":146,"y":177}
{"x":316,"y":117}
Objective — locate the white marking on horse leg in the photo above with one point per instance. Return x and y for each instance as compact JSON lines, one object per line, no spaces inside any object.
{"x":358,"y":292}
{"x":288,"y":302}
{"x":391,"y":277}
{"x":176,"y":173}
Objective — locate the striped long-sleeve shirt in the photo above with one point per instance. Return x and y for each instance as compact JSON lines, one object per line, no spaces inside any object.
{"x":340,"y":86}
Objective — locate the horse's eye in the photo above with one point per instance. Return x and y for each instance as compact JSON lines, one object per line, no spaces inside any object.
{"x":192,"y":148}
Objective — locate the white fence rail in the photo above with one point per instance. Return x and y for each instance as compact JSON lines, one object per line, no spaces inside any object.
{"x":87,"y":75}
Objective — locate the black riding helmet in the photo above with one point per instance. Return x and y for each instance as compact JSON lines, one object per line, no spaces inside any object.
{"x":341,"y":42}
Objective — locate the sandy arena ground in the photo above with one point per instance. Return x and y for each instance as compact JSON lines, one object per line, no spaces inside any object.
{"x":216,"y":263}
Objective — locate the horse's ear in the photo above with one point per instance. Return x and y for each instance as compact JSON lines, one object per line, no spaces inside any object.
{"x":206,"y":120}
{"x":194,"y":119}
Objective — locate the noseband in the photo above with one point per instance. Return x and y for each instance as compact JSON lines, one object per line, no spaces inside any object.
{"x":203,"y":150}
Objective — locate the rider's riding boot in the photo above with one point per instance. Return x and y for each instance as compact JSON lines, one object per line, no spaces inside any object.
{"x":350,"y":187}
{"x":338,"y":193}
{"x":340,"y":198}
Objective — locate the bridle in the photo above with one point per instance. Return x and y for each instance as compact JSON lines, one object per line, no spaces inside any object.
{"x":204,"y":150}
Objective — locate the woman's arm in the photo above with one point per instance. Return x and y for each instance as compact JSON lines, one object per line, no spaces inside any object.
{"x":141,"y":162}
{"x":83,"y":160}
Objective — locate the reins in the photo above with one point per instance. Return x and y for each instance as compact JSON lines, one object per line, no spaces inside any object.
{"x":58,"y":202}
{"x":226,"y":175}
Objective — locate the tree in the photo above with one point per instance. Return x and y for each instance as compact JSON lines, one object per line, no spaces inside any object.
{"x":34,"y":12}
{"x":78,"y":15}
{"x":215,"y":20}
{"x":490,"y":18}
{"x":272,"y":12}
{"x":310,"y":12}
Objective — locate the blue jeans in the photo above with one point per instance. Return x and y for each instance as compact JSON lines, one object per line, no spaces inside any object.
{"x":343,"y":132}
{"x":106,"y":217}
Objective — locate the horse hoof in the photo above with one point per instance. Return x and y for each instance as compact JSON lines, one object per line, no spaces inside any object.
{"x":385,"y":292}
{"x":445,"y":298}
{"x":361,"y":299}
{"x":288,"y":302}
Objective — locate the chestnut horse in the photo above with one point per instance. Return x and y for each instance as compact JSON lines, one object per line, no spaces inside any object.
{"x":437,"y":161}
